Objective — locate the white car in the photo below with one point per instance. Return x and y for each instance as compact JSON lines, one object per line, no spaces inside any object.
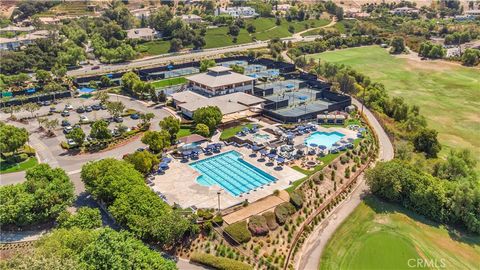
{"x":83,"y":118}
{"x":71,"y":142}
{"x":68,"y":107}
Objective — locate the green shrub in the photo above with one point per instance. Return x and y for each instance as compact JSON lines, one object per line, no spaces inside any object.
{"x":218,"y":262}
{"x":296,"y":198}
{"x":30,"y":151}
{"x":20,"y":158}
{"x":271,"y":222}
{"x":218,"y":220}
{"x":204,"y":214}
{"x":238,"y":231}
{"x":283,"y":211}
{"x":258,"y":225}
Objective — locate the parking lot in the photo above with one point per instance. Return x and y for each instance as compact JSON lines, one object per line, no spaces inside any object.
{"x":95,"y":113}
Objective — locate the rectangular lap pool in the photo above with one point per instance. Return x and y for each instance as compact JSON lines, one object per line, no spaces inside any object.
{"x":229,"y":171}
{"x":324,"y":138}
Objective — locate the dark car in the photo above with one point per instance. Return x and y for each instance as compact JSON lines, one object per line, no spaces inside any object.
{"x":65,"y":123}
{"x":80,"y":110}
{"x":118,"y":119}
{"x":65,"y":113}
{"x":135,"y":116}
{"x":88,"y":109}
{"x":96,"y":107}
{"x":53,"y":109}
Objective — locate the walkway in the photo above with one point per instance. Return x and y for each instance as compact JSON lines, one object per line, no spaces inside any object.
{"x":309,"y":257}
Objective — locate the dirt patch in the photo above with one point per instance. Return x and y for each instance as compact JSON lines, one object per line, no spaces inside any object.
{"x":382,"y":219}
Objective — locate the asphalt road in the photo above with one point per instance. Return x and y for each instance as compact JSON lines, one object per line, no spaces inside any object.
{"x":310,"y":255}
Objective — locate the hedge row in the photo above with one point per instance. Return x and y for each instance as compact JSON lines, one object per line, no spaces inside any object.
{"x":238,"y":231}
{"x":271,"y":221}
{"x":296,"y":198}
{"x":220,"y":263}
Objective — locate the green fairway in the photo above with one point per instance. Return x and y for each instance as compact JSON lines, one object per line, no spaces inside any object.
{"x":169,"y":82}
{"x":219,"y":37}
{"x":447,"y":94}
{"x":379,"y":235}
{"x":9,"y":168}
{"x":155,"y":47}
{"x":267,"y":29}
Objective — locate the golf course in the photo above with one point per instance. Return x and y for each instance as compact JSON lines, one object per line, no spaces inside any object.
{"x":447,"y":93}
{"x":379,"y":235}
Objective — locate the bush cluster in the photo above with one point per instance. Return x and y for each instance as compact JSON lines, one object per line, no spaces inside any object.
{"x":296,"y":198}
{"x":238,"y":231}
{"x":258,"y":225}
{"x":283,"y":211}
{"x":219,"y":262}
{"x":271,"y":222}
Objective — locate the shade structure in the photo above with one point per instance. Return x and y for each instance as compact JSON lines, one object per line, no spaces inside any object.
{"x":303,"y":97}
{"x":313,"y":145}
{"x":166,"y":159}
{"x":263,"y":151}
{"x":290,"y":134}
{"x":323,"y":147}
{"x":280,"y":159}
{"x":187,"y":153}
{"x":256,"y":148}
{"x":271,"y":155}
{"x":290,"y":85}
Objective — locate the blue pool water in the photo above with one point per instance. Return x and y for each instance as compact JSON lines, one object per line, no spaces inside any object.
{"x":229,"y":171}
{"x":324,"y":138}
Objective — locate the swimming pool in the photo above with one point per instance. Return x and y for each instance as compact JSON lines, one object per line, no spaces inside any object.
{"x":229,"y":171}
{"x":324,"y":138}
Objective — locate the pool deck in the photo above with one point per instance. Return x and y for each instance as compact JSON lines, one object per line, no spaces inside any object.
{"x":179,"y":184}
{"x":347,"y":132}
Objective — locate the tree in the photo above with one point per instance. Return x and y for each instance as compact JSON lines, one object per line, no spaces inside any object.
{"x":59,"y":71}
{"x":146,"y":117}
{"x":233,"y":30}
{"x":251,"y":28}
{"x":77,"y":135}
{"x":51,"y":125}
{"x":202,"y":130}
{"x":54,"y":87}
{"x":12,"y":138}
{"x":346,"y":83}
{"x":175,"y":45}
{"x":160,"y":18}
{"x":115,"y":108}
{"x":459,"y":165}
{"x":398,"y":45}
{"x":102,"y":96}
{"x":205,"y":64}
{"x":471,"y":57}
{"x":100,"y":130}
{"x":198,"y":42}
{"x":210,"y":116}
{"x":339,"y":13}
{"x":31,"y":108}
{"x":105,"y":81}
{"x":172,"y":125}
{"x":156,"y":140}
{"x":128,"y":80}
{"x":45,"y":193}
{"x":84,"y":218}
{"x":291,"y":29}
{"x":426,"y":141}
{"x":143,"y":161}
{"x":43,"y":76}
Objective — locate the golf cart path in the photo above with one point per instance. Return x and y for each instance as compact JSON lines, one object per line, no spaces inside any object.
{"x":310,"y":255}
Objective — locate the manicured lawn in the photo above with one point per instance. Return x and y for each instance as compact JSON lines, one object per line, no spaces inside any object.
{"x":448,"y":94}
{"x":267,"y":29}
{"x":169,"y":82}
{"x":9,"y":168}
{"x":185,"y":131}
{"x":230,"y":132}
{"x":219,"y":37}
{"x":155,"y":47}
{"x":379,"y":235}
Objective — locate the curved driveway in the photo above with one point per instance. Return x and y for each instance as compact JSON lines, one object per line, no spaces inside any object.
{"x":309,"y":256}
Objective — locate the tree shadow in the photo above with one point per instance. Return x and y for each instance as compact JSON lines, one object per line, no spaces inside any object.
{"x":456,"y":232}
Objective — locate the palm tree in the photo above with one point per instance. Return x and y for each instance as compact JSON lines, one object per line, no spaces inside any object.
{"x":32,"y":107}
{"x":51,"y":125}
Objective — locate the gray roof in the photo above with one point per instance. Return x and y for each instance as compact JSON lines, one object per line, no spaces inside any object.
{"x":219,"y":69}
{"x":227,"y":104}
{"x":140,"y":33}
{"x":187,"y":96}
{"x":220,"y":76}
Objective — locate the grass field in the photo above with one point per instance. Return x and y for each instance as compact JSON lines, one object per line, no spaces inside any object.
{"x":169,"y":82}
{"x":9,"y":168}
{"x":230,"y":132}
{"x":448,"y":94}
{"x":155,"y":47}
{"x":379,"y":235}
{"x":267,"y":29}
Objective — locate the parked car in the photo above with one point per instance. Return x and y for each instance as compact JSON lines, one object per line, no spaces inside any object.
{"x":103,"y":106}
{"x":65,"y":113}
{"x":71,"y":142}
{"x":135,"y":116}
{"x":67,"y":129}
{"x":96,"y":107}
{"x":53,"y":109}
{"x":40,"y":103}
{"x":83,"y":118}
{"x":65,"y":123}
{"x":68,"y":107}
{"x":118,"y":119}
{"x":88,"y":109}
{"x":47,"y":103}
{"x":95,"y":67}
{"x":80,"y":110}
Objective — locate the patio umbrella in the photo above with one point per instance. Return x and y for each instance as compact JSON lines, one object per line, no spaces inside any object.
{"x":271,"y":155}
{"x":186,"y":153}
{"x":280,"y":159}
{"x":313,"y":145}
{"x":263,"y":152}
{"x":166,"y":159}
{"x":245,"y":129}
{"x":256,"y":148}
{"x":350,"y":139}
{"x":219,"y":145}
{"x":323,"y":147}
{"x":163,"y":165}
